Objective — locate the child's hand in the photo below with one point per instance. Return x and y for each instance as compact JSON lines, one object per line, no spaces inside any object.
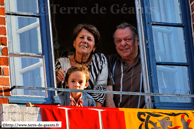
{"x":80,"y":105}
{"x":72,"y":103}
{"x":60,"y":74}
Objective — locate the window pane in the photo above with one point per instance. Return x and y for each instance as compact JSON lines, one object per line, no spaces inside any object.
{"x":169,"y":44}
{"x":26,"y":6}
{"x":173,"y":80}
{"x":165,"y":11}
{"x":23,"y":35}
{"x":27,"y":72}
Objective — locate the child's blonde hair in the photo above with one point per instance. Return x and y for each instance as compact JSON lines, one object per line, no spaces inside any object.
{"x":78,"y":67}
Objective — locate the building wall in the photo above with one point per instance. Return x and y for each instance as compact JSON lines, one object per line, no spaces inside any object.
{"x":4,"y":61}
{"x":13,"y":112}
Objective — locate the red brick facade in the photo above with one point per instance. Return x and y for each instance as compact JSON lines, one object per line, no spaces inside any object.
{"x":4,"y":59}
{"x":1,"y":2}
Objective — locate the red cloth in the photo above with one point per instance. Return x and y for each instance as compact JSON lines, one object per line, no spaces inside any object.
{"x":112,"y":118}
{"x":53,"y":113}
{"x":84,"y":117}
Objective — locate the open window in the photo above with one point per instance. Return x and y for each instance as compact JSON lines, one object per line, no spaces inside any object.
{"x":29,"y":45}
{"x":167,"y":42}
{"x":165,"y":37}
{"x":105,"y":15}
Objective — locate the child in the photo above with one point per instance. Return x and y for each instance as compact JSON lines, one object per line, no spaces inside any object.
{"x":77,"y":77}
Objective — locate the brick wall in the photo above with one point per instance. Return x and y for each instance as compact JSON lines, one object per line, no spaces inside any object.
{"x":4,"y":61}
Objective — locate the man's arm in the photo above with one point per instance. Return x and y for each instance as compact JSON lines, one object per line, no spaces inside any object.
{"x":109,"y":97}
{"x":109,"y":102}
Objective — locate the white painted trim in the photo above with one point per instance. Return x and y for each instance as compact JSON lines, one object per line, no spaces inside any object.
{"x":52,"y":48}
{"x":148,"y":101}
{"x":31,"y":67}
{"x":29,"y":27}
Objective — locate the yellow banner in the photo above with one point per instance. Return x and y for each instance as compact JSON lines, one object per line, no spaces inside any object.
{"x":158,"y":119}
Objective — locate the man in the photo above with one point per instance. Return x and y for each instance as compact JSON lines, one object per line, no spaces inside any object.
{"x":125,"y":68}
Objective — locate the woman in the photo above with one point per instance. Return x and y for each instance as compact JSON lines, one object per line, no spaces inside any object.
{"x":85,"y":41}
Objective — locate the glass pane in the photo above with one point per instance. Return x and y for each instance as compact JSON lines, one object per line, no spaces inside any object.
{"x":169,"y":44}
{"x":25,"y":6}
{"x":23,"y":35}
{"x":165,"y":11}
{"x":173,"y":80}
{"x":27,"y":72}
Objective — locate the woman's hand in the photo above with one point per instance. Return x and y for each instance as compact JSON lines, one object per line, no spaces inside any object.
{"x":60,"y":75}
